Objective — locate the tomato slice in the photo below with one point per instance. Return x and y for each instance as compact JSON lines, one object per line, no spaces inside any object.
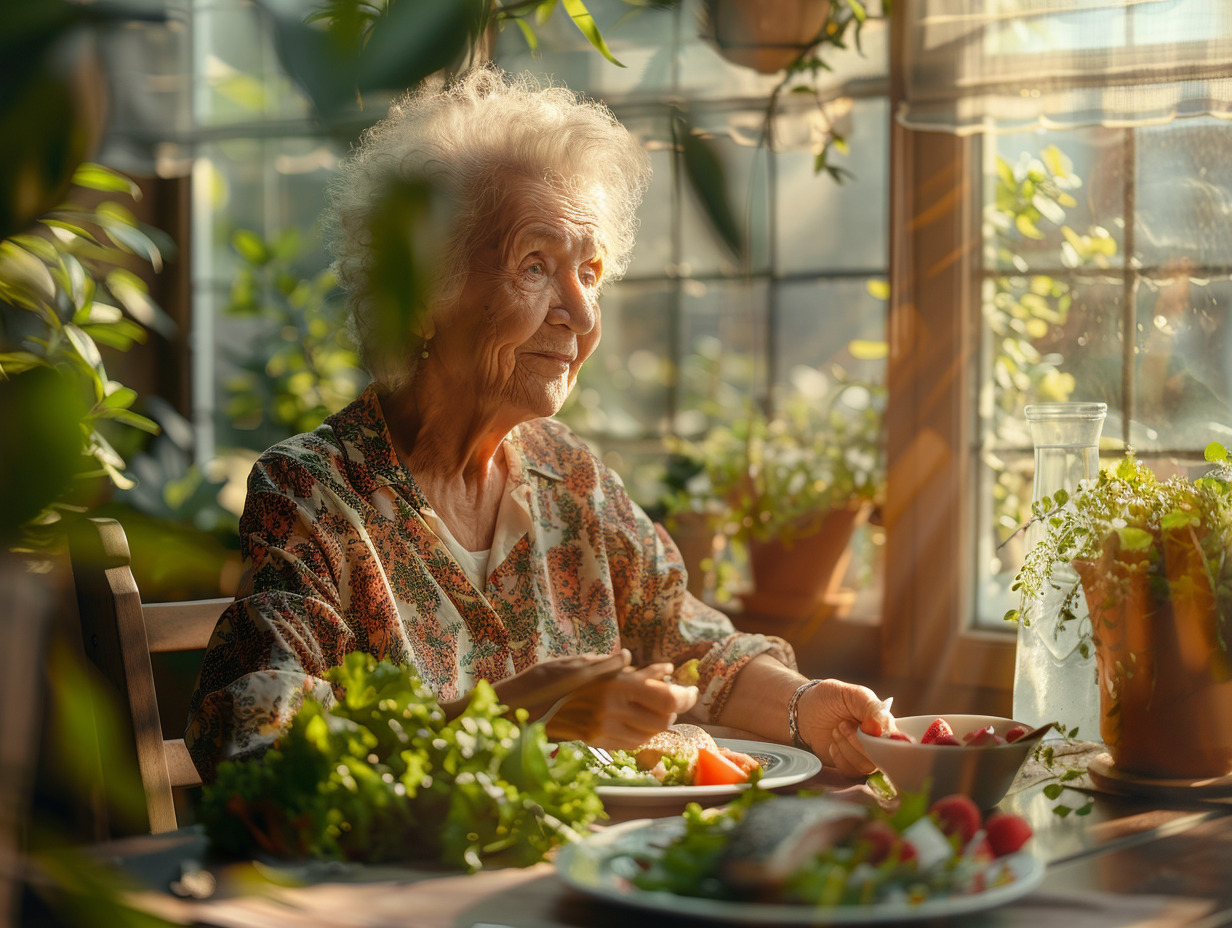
{"x":714,"y":769}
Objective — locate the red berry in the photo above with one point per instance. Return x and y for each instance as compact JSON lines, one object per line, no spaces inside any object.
{"x":899,"y":736}
{"x":957,"y":815}
{"x":982,"y":852}
{"x":985,"y":738}
{"x":972,"y":735}
{"x":1016,"y":732}
{"x":880,"y":842}
{"x":1006,"y":832}
{"x":948,"y":739}
{"x":939,"y":728}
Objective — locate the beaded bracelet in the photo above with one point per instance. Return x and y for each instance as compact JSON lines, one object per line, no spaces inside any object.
{"x":793,"y":714}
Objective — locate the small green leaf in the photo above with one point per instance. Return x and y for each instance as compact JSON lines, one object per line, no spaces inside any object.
{"x":586,"y":25}
{"x":705,"y":171}
{"x":543,"y":11}
{"x":866,"y":350}
{"x":97,"y":177}
{"x":251,"y":247}
{"x":878,"y":289}
{"x":1053,"y":790}
{"x":1215,"y":452}
{"x":120,"y":397}
{"x":1027,"y":227}
{"x":1135,"y":539}
{"x":532,"y":40}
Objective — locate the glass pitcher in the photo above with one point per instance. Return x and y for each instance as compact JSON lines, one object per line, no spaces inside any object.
{"x":1052,"y":680}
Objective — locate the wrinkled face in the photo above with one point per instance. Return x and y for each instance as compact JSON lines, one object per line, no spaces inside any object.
{"x":528,"y":315}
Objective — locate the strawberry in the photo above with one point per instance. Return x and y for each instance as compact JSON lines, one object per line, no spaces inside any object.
{"x":957,"y":815}
{"x":972,"y":735}
{"x":1016,"y":732}
{"x":1006,"y":832}
{"x":900,"y":736}
{"x":947,"y":739}
{"x":880,"y":841}
{"x":979,"y":851}
{"x":939,"y":728}
{"x":985,"y":738}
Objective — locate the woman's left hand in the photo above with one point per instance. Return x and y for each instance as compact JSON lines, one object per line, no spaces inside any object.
{"x":829,"y":714}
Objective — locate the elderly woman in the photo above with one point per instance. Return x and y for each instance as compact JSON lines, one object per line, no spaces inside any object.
{"x":444,"y":519}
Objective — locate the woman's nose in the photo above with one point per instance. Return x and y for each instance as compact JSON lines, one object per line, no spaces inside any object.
{"x":576,"y":305}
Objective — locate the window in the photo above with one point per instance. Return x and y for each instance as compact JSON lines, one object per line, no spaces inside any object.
{"x":1128,"y":307}
{"x":689,"y":334}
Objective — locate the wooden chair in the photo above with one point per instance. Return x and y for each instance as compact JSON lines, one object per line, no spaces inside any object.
{"x":119,"y":633}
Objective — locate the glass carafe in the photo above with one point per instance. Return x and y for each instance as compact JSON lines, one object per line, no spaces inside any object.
{"x":1053,"y":681}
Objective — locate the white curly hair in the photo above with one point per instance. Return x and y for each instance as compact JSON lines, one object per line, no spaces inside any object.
{"x":468,"y":139}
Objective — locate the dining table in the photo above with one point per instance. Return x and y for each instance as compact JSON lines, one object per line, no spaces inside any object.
{"x":1125,"y":854}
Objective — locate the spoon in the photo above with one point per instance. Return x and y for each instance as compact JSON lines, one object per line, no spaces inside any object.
{"x":1036,"y":733}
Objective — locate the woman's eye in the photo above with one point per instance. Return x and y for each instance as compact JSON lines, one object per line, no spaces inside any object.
{"x":534,"y":269}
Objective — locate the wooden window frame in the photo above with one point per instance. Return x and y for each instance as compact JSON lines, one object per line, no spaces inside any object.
{"x":930,"y":657}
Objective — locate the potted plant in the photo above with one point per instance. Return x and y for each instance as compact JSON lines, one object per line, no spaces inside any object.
{"x":765,"y":35}
{"x":1154,"y":561}
{"x":786,"y":491}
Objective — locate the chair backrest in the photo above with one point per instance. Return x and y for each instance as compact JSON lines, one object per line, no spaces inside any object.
{"x":119,"y":633}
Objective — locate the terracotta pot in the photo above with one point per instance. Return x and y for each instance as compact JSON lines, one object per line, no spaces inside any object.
{"x":1165,"y":686}
{"x":698,"y":542}
{"x":766,"y":35}
{"x":794,"y":577}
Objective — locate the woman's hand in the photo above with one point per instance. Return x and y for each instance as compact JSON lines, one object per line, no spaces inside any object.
{"x":623,"y":711}
{"x":829,"y":714}
{"x":539,"y":686}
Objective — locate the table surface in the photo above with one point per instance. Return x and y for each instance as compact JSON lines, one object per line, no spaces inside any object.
{"x":1133,"y":860}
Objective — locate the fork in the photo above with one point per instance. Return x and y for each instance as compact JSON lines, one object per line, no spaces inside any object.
{"x":599,"y":754}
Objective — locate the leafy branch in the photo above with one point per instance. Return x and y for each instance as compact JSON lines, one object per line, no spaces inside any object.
{"x":846,"y":17}
{"x":1062,"y":775}
{"x":68,"y":287}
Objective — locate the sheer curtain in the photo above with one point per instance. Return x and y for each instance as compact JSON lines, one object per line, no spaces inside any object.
{"x":1007,"y":65}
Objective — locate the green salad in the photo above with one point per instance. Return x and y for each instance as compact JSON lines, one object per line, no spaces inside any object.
{"x":379,"y":775}
{"x":623,"y":770}
{"x":908,"y":855}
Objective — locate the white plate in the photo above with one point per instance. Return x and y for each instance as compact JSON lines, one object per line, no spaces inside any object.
{"x":781,"y":766}
{"x":597,"y":866}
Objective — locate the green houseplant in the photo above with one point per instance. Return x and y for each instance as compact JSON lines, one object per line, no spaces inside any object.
{"x":1153,"y":561}
{"x":786,"y":490}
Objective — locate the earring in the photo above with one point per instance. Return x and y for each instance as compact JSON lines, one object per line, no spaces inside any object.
{"x":424,"y":353}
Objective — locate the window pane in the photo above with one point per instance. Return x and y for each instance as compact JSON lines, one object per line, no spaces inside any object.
{"x":1038,"y":185}
{"x":723,"y":351}
{"x":824,"y":226}
{"x":1184,"y":197}
{"x":622,"y":390}
{"x":1181,"y":377}
{"x":818,"y":321}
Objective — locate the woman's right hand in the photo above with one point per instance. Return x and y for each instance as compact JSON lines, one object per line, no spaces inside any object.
{"x":621,"y":712}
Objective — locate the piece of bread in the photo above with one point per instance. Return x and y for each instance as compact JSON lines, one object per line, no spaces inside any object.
{"x":681,"y":739}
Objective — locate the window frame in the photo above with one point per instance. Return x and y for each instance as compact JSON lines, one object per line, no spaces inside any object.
{"x":930,"y":656}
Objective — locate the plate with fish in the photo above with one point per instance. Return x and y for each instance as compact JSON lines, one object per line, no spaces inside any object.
{"x":796,"y":860}
{"x":685,"y":764}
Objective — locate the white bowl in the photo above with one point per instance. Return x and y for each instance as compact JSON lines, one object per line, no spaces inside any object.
{"x":983,"y":773}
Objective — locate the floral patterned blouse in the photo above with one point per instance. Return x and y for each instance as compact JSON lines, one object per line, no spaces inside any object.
{"x":342,"y":557}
